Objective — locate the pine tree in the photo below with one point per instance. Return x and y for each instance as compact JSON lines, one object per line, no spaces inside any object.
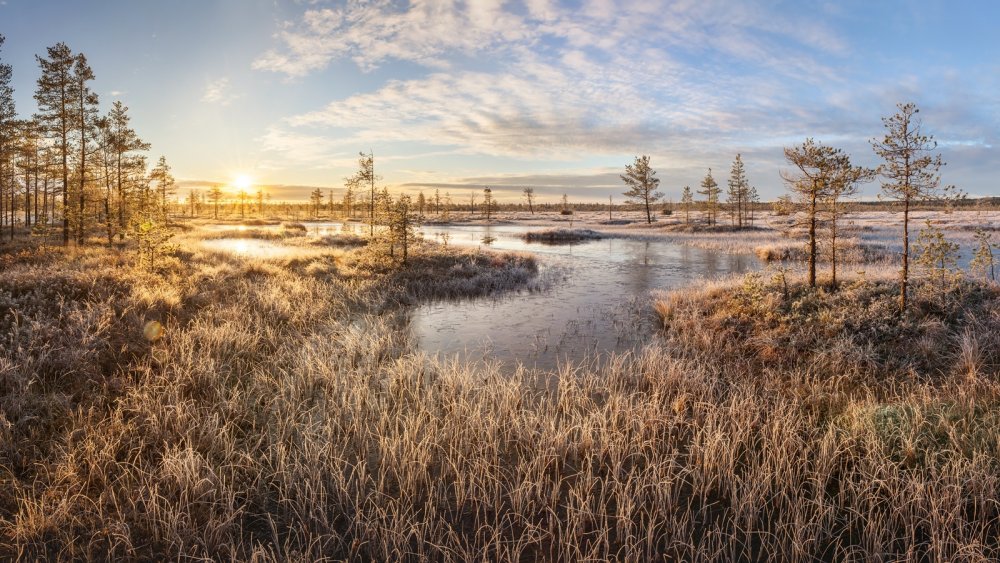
{"x":487,"y":201}
{"x":402,"y":224}
{"x":106,"y":160}
{"x":242,"y":197}
{"x":55,"y":96}
{"x":421,"y":203}
{"x":737,"y":193}
{"x":315,"y":201}
{"x":642,"y":183}
{"x":164,"y":181}
{"x":844,"y":182}
{"x":348,"y":200}
{"x":811,"y":180}
{"x":910,"y":173}
{"x":383,"y":217}
{"x":687,"y":200}
{"x":123,"y":141}
{"x":215,"y":194}
{"x":84,"y":113}
{"x":753,"y":198}
{"x":8,"y":131}
{"x":983,"y":260}
{"x":365,"y":177}
{"x":939,"y":257}
{"x":710,"y":189}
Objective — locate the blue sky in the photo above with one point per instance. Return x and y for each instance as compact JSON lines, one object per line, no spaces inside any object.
{"x":560,"y":96}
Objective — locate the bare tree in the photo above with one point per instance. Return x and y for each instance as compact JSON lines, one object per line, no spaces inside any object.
{"x":910,"y":173}
{"x":642,"y":183}
{"x":529,"y":196}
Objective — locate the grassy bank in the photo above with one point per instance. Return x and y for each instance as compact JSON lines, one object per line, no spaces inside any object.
{"x":282,"y":415}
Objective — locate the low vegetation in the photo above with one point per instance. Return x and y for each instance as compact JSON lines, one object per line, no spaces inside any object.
{"x":217,"y":406}
{"x":558,"y":235}
{"x":853,"y":250}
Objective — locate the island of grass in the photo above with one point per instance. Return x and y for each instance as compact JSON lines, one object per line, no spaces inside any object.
{"x":562,"y":235}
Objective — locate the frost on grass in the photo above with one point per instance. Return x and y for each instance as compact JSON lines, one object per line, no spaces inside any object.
{"x":281,"y":415}
{"x":560,"y":235}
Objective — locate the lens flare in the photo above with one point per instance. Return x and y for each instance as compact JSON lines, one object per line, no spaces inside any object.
{"x":153,"y":331}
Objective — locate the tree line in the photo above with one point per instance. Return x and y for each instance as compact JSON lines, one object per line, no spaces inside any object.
{"x":69,"y":170}
{"x":820,"y":179}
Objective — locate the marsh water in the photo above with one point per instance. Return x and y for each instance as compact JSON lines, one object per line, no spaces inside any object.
{"x":592,"y":297}
{"x":596,"y":299}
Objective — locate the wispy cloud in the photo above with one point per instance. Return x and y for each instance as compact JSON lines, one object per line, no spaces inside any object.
{"x":605,"y":79}
{"x":688,"y":81}
{"x":218,"y":92}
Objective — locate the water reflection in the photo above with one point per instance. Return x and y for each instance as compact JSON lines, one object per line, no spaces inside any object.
{"x":600,"y":302}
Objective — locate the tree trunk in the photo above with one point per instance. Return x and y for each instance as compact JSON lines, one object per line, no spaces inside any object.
{"x":812,"y":238}
{"x":906,"y":256}
{"x":83,"y":165}
{"x":833,"y":247}
{"x":65,"y":189}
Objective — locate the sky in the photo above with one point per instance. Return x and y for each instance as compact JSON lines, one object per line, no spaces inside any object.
{"x":559,"y":96}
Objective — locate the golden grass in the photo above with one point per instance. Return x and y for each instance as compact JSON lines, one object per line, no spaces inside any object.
{"x":284,"y":416}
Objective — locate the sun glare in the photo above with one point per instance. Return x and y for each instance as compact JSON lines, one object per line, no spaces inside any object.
{"x":243,"y":181}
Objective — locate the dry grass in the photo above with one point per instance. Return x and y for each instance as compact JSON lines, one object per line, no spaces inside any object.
{"x":849,"y":251}
{"x":561,"y":235}
{"x":283,"y":416}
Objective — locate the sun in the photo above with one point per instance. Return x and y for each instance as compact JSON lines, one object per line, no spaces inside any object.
{"x":243,"y":181}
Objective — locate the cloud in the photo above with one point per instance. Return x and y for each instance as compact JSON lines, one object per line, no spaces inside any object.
{"x":691,"y":82}
{"x":430,"y":32}
{"x":217,"y":92}
{"x":607,"y":79}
